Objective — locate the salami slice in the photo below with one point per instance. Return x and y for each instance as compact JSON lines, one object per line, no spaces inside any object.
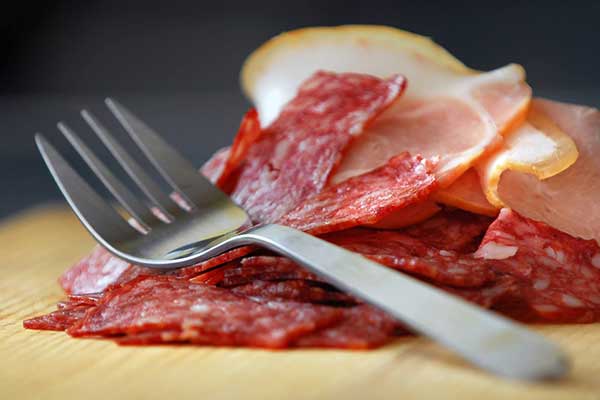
{"x":201,"y":314}
{"x":100,"y":271}
{"x":297,"y":290}
{"x":367,"y":198}
{"x":213,"y":168}
{"x":362,"y":327}
{"x":293,"y":158}
{"x":248,"y":133}
{"x":559,"y":274}
{"x":65,"y":317}
{"x":453,"y":230}
{"x":398,"y":250}
{"x":94,"y":273}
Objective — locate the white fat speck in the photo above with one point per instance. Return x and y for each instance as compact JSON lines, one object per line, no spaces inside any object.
{"x":495,"y":251}
{"x":560,"y":256}
{"x":545,"y":308}
{"x":412,"y":262}
{"x":571,"y":301}
{"x":541,"y":284}
{"x":505,"y":235}
{"x":199,"y":308}
{"x":550,"y":252}
{"x":445,"y":253}
{"x":596,"y":260}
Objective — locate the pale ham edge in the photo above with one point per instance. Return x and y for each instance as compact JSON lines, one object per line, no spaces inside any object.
{"x":570,"y":200}
{"x":536,"y":147}
{"x":466,"y":193}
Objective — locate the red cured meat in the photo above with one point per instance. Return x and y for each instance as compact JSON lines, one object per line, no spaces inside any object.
{"x":94,"y":273}
{"x":255,"y":267}
{"x":213,"y":169}
{"x":248,"y":133}
{"x":454,"y":230}
{"x":500,"y":294}
{"x":559,"y":274}
{"x":294,"y":156}
{"x":362,"y":327}
{"x":265,"y":268}
{"x":201,"y":314}
{"x":58,"y":320}
{"x":400,"y":251}
{"x":101,"y":270}
{"x":367,"y":198}
{"x":296,"y":290}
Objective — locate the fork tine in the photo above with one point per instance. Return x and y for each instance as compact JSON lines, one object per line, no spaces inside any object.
{"x":133,"y":169}
{"x":176,"y":170}
{"x":99,"y":218}
{"x":127,"y":199}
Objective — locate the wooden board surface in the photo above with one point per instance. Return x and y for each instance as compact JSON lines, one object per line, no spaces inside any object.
{"x":37,"y":245}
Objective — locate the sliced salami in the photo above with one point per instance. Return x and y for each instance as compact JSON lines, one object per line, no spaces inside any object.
{"x":398,"y":250}
{"x":297,"y":290}
{"x":248,"y":133}
{"x":293,"y":158}
{"x":559,"y":274}
{"x":362,"y":327}
{"x":63,"y":318}
{"x":367,"y":198}
{"x":213,"y":168}
{"x":201,"y":314}
{"x":453,"y":230}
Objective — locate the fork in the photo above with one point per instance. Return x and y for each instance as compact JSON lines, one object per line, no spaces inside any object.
{"x":161,"y":234}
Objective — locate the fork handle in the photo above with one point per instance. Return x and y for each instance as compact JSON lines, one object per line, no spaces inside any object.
{"x":479,"y":336}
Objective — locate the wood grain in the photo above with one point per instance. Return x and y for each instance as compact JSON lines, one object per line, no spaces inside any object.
{"x":37,"y":245}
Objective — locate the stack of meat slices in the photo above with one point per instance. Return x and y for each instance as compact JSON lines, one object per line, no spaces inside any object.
{"x":449,"y":175}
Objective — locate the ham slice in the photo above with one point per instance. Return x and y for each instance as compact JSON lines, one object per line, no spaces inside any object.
{"x":450,"y":122}
{"x":569,"y":201}
{"x":537,"y":147}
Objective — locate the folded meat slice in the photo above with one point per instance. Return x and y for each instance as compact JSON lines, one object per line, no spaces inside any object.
{"x":569,"y":201}
{"x":448,"y":121}
{"x":366,"y":199}
{"x":466,"y":193}
{"x":294,"y":156}
{"x":448,"y":110}
{"x":537,"y":147}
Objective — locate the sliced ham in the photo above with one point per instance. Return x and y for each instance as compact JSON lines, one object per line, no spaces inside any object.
{"x":537,"y":147}
{"x":569,"y":201}
{"x":449,"y":122}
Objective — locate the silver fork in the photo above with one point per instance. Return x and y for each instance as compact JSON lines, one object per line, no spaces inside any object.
{"x":214,"y":224}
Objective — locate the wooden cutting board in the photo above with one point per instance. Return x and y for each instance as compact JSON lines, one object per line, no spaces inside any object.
{"x":36,"y":246}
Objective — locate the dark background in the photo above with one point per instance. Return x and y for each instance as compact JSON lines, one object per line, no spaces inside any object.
{"x":176,"y":63}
